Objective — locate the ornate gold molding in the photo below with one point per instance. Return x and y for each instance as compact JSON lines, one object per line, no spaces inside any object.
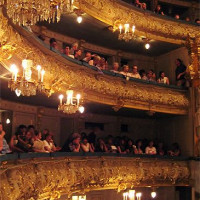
{"x":49,"y":177}
{"x":62,"y":74}
{"x":147,"y":23}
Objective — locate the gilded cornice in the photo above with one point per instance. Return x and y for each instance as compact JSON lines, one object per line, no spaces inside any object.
{"x":48,"y":178}
{"x":147,"y":23}
{"x":62,"y":74}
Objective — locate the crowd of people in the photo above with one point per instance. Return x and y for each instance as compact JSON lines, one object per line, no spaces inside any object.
{"x":128,"y":72}
{"x":28,"y":139}
{"x":158,"y":10}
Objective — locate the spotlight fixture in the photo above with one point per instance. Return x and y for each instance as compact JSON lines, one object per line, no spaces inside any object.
{"x":79,"y":19}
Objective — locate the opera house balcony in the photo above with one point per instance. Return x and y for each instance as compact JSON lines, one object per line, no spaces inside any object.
{"x":100,"y":100}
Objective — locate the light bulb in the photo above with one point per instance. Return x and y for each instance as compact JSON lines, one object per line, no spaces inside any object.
{"x":147,"y":46}
{"x":18,"y":92}
{"x":79,"y":19}
{"x":61,"y":96}
{"x":153,"y":194}
{"x":74,"y":197}
{"x":13,"y":68}
{"x":133,"y":29}
{"x":81,"y":109}
{"x":7,"y":121}
{"x":38,"y":67}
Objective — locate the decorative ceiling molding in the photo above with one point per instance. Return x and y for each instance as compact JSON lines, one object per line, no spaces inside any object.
{"x":147,"y":23}
{"x":48,"y":178}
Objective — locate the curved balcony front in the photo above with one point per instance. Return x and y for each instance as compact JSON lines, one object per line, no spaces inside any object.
{"x":47,"y":176}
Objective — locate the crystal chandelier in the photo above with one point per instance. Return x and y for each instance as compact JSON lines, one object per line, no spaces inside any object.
{"x":24,"y":85}
{"x":72,"y":104}
{"x":28,"y":12}
{"x":126,"y":32}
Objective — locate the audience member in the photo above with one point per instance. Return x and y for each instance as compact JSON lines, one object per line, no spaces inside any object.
{"x":115,"y":68}
{"x":4,"y":148}
{"x":88,"y":57}
{"x":74,"y":48}
{"x":143,"y":74}
{"x":25,"y":142}
{"x":121,"y":147}
{"x":150,"y":76}
{"x":150,"y":149}
{"x":85,"y":145}
{"x":138,"y":149}
{"x":197,"y":21}
{"x":53,"y":44}
{"x":160,"y":149}
{"x":75,"y":146}
{"x":180,"y":72}
{"x":135,"y":73}
{"x":137,"y":4}
{"x":175,"y":150}
{"x":38,"y":144}
{"x":177,"y":16}
{"x":77,"y":54}
{"x":125,"y":71}
{"x":130,"y":148}
{"x":110,"y":146}
{"x":162,"y":78}
{"x":158,"y":10}
{"x":101,"y":146}
{"x":49,"y":145}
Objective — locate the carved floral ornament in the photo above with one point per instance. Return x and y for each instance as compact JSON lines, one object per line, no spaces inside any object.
{"x":49,"y":178}
{"x":62,"y":74}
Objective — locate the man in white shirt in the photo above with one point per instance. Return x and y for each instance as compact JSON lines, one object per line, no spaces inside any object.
{"x":135,"y":73}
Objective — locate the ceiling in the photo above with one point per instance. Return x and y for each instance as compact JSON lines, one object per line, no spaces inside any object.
{"x":94,"y":31}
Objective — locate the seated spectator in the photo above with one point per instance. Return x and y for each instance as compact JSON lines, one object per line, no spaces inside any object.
{"x":77,"y":54}
{"x":138,"y":4}
{"x":125,"y":71}
{"x":110,"y":146}
{"x":102,"y":64}
{"x":138,"y":149}
{"x":74,"y":48}
{"x":177,"y":16}
{"x":14,"y":141}
{"x":25,"y":143}
{"x":150,"y":76}
{"x":101,"y":146}
{"x":130,"y":148}
{"x":162,"y":78}
{"x":49,"y":145}
{"x":44,"y":133}
{"x":53,"y":44}
{"x":66,"y":51}
{"x":88,"y":57}
{"x":175,"y":150}
{"x":31,"y":129}
{"x":143,"y":74}
{"x":85,"y":145}
{"x":187,"y":19}
{"x":115,"y":68}
{"x":150,"y":149}
{"x":122,"y":146}
{"x":74,"y":145}
{"x":144,"y":6}
{"x":197,"y":21}
{"x":158,"y":10}
{"x":160,"y":149}
{"x":4,"y":148}
{"x":180,"y":72}
{"x":135,"y":73}
{"x":38,"y":144}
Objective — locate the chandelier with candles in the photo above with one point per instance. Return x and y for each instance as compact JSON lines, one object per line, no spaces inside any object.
{"x":72,"y":104}
{"x":28,"y":12}
{"x":126,"y":31}
{"x":23,"y":84}
{"x":132,"y":195}
{"x":80,"y":197}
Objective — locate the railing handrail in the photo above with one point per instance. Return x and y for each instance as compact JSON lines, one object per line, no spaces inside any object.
{"x":21,"y":156}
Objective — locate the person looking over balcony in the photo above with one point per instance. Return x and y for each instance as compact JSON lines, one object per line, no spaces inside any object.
{"x":175,"y":150}
{"x":144,"y":6}
{"x":125,"y":71}
{"x":53,"y":44}
{"x":115,"y":68}
{"x":135,"y":73}
{"x":130,"y":147}
{"x":74,"y":145}
{"x":74,"y":48}
{"x":66,"y":51}
{"x":49,"y":145}
{"x":110,"y":146}
{"x":143,"y":74}
{"x":77,"y":54}
{"x":25,"y":142}
{"x":88,"y":57}
{"x":177,"y":16}
{"x":158,"y":10}
{"x":162,"y":78}
{"x":101,"y":146}
{"x":180,"y":72}
{"x":160,"y":149}
{"x":150,"y":76}
{"x":4,"y":148}
{"x":138,"y":149}
{"x":150,"y":149}
{"x":85,"y":145}
{"x":122,"y":146}
{"x":38,"y":144}
{"x":137,"y":4}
